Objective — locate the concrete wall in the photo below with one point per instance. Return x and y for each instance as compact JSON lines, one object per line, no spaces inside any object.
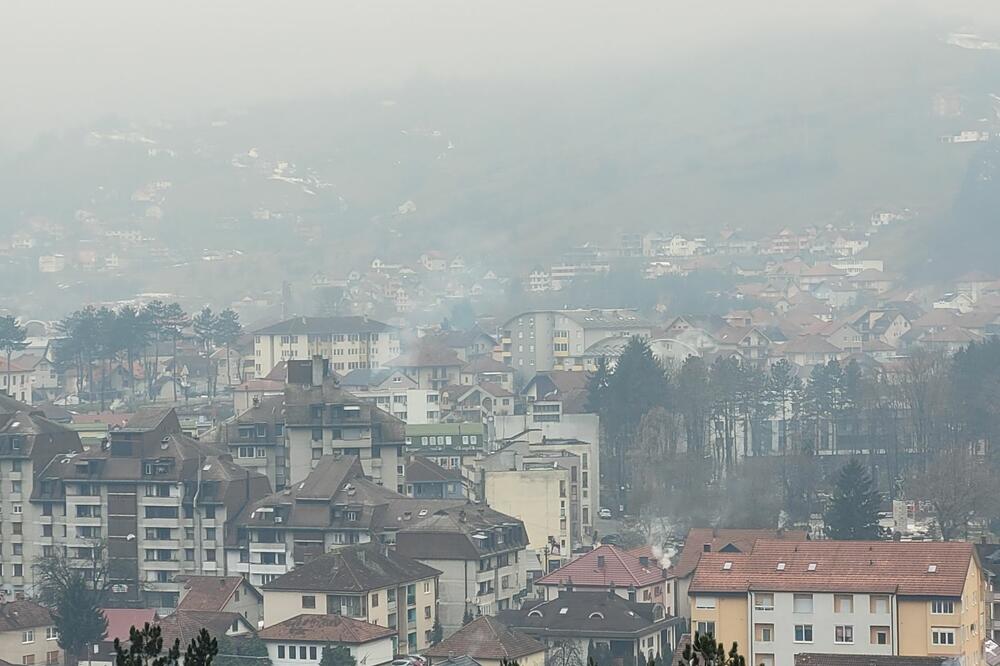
{"x":533,"y":496}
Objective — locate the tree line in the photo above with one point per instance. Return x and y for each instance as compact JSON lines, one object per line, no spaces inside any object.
{"x":95,"y":339}
{"x":737,"y":427}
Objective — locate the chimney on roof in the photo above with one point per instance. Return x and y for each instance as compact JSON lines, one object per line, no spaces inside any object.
{"x":317,"y":370}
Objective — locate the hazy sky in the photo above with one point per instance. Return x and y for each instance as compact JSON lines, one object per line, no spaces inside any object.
{"x":65,"y":62}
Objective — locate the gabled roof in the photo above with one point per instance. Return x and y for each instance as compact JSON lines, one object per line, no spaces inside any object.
{"x":904,"y":568}
{"x":427,"y":354}
{"x":716,"y":539}
{"x":486,"y":638}
{"x":421,"y":470}
{"x":481,"y":364}
{"x":325,"y":629}
{"x":210,"y":593}
{"x":604,"y":567}
{"x":355,"y":569}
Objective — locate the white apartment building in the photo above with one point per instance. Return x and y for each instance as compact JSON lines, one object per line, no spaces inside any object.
{"x":348,"y":343}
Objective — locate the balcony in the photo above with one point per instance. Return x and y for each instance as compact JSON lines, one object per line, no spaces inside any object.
{"x":267,"y":547}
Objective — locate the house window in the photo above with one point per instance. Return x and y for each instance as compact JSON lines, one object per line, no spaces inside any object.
{"x":706,"y":628}
{"x":312,"y":652}
{"x":942,"y":635}
{"x":803,"y":603}
{"x":763,"y":601}
{"x":704,"y":602}
{"x":843,"y":633}
{"x":308,"y":601}
{"x":879,"y":636}
{"x":803,"y":633}
{"x":281,"y":652}
{"x":763,"y":633}
{"x":942,"y":608}
{"x":843,"y":603}
{"x":51,"y":634}
{"x":878,"y":604}
{"x":427,"y":587}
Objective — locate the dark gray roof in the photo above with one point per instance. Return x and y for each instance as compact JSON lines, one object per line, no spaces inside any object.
{"x":324,"y":325}
{"x":365,"y":376}
{"x":355,"y":569}
{"x":594,"y":614}
{"x":825,"y":659}
{"x":422,"y":470}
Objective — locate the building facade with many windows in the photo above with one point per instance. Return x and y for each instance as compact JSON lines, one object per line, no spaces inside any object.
{"x":844,"y":597}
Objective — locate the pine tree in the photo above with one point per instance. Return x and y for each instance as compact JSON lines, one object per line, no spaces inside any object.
{"x":853,"y":511}
{"x":227,"y":330}
{"x":12,"y":339}
{"x":437,"y":631}
{"x":705,"y":651}
{"x":145,"y":648}
{"x":337,"y":655}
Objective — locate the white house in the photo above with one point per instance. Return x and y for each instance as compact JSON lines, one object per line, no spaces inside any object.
{"x":300,"y":640}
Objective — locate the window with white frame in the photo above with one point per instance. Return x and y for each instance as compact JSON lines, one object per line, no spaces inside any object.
{"x":803,"y":633}
{"x":879,"y":636}
{"x":763,"y":633}
{"x":878,"y":604}
{"x":940,"y":607}
{"x":943,"y":635}
{"x":704,"y":602}
{"x":843,"y":633}
{"x":802,"y":603}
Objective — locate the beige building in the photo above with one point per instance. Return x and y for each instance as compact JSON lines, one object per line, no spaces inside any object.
{"x":365,"y":582}
{"x":844,"y":597}
{"x":28,"y":634}
{"x":347,"y":342}
{"x":489,"y":642}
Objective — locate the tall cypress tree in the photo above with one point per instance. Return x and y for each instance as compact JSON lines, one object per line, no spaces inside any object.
{"x":853,"y":511}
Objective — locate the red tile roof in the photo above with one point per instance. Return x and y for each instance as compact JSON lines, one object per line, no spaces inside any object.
{"x":620,"y":568}
{"x":208,"y":593}
{"x":486,"y":638}
{"x":325,"y":629}
{"x":904,"y":568}
{"x":120,"y":620}
{"x":738,"y":540}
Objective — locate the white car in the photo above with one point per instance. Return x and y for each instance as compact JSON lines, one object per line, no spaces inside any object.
{"x":604,"y":513}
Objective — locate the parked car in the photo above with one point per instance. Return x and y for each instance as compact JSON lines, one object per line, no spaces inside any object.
{"x":604,"y":512}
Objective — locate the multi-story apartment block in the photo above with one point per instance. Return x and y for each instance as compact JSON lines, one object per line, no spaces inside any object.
{"x":479,"y":551}
{"x":845,"y":597}
{"x":365,"y":582}
{"x":430,"y":364}
{"x":347,"y":342}
{"x":28,"y":442}
{"x":162,"y":503}
{"x":255,"y":438}
{"x":542,"y":340}
{"x":322,"y":419}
